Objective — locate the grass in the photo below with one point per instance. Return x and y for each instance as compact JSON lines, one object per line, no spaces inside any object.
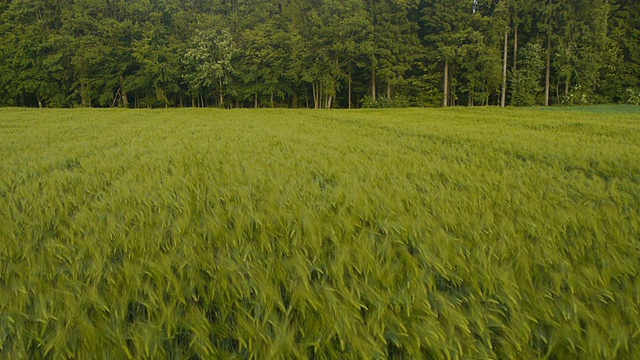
{"x":416,"y":233}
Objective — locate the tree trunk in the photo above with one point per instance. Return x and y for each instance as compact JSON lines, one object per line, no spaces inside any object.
{"x":314,"y":92}
{"x":123,"y":92}
{"x":515,"y":54}
{"x":83,"y":93}
{"x":452,"y":98}
{"x":373,"y":79}
{"x":272,"y":99}
{"x":503,"y":99}
{"x":349,"y":88}
{"x":255,"y":100}
{"x":221,"y":95}
{"x":446,"y":83}
{"x":294,"y":100}
{"x":547,"y":81}
{"x":515,"y":47}
{"x":115,"y":98}
{"x":389,"y":90}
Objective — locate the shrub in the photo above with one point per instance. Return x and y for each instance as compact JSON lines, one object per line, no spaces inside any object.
{"x":385,"y":102}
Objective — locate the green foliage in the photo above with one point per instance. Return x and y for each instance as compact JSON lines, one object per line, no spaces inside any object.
{"x":633,"y":97}
{"x":385,"y":103}
{"x":209,"y":59}
{"x":439,"y":234}
{"x":525,"y":81}
{"x":321,"y":54}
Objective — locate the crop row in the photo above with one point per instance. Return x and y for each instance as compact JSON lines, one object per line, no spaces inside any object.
{"x":452,"y":234}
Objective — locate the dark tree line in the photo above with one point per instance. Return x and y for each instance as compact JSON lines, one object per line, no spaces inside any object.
{"x":318,"y":53}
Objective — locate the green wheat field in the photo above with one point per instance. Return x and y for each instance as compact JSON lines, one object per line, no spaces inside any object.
{"x":284,"y":234}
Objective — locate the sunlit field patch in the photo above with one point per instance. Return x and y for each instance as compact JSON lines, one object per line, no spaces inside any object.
{"x":254,"y":234}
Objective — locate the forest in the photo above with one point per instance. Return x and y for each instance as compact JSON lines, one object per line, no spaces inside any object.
{"x":318,"y":53}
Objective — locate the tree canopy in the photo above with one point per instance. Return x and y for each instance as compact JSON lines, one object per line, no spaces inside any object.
{"x":318,"y":53}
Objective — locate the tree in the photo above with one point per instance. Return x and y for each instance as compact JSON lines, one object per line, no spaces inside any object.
{"x":32,"y":62}
{"x":325,"y":54}
{"x":209,"y":59}
{"x":501,"y":19}
{"x":626,"y":29}
{"x":155,"y":55}
{"x":459,"y":36}
{"x":447,"y":26}
{"x":394,"y":43}
{"x":526,"y":80}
